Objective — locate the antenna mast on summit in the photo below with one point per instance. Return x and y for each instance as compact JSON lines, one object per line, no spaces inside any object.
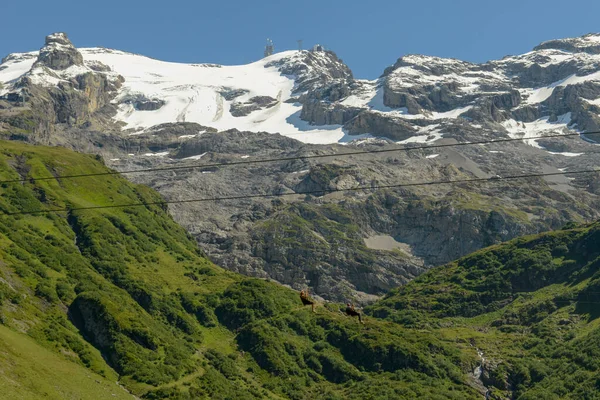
{"x":300,"y":44}
{"x":269,"y":48}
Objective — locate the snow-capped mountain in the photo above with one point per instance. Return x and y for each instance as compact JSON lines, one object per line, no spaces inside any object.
{"x":312,"y":96}
{"x":140,"y":113}
{"x":554,"y":87}
{"x":254,"y":97}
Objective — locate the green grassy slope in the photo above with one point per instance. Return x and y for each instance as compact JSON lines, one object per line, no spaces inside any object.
{"x":29,"y":371}
{"x":125,"y":293}
{"x":530,"y":305}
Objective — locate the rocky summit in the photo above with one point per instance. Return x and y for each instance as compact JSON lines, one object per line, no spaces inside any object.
{"x":140,"y":113}
{"x":59,"y":53}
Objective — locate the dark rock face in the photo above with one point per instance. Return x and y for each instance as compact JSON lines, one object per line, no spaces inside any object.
{"x":230,"y":93}
{"x":442,"y":98}
{"x":534,"y":75}
{"x":76,"y":101}
{"x":323,"y":113}
{"x":59,"y":53}
{"x":243,"y":144}
{"x":177,"y":129}
{"x":335,"y":91}
{"x":97,"y":66}
{"x":528,"y":113}
{"x":313,"y":70}
{"x":491,"y":93}
{"x":401,"y":99}
{"x":149,"y":105}
{"x":587,"y":43}
{"x":380,"y":124}
{"x":143,"y":103}
{"x":254,"y":104}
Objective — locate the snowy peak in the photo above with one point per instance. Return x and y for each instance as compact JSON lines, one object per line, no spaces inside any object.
{"x":57,"y":63}
{"x":58,"y":39}
{"x":312,"y":95}
{"x":429,"y":64}
{"x":589,"y":43}
{"x":59,"y":53}
{"x":312,"y":69}
{"x":548,"y":90}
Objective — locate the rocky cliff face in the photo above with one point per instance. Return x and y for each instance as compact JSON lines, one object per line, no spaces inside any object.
{"x":59,"y":53}
{"x":558,"y":78}
{"x":329,"y":241}
{"x":60,"y":89}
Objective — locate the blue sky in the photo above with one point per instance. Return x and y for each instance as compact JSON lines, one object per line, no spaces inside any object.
{"x":367,"y":35}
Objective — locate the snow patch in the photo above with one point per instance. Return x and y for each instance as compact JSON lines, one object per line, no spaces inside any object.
{"x":541,"y":94}
{"x":526,"y":130}
{"x":565,"y":153}
{"x":197,"y":157}
{"x":161,"y":154}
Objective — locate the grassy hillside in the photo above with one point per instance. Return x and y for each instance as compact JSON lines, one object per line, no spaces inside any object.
{"x":530,"y":305}
{"x":30,"y":371}
{"x":126,"y":294}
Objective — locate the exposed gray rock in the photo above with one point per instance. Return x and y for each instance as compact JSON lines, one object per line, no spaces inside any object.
{"x":313,"y":70}
{"x":97,"y":66}
{"x":380,"y":124}
{"x":142,"y":103}
{"x":322,"y":113}
{"x":244,"y":143}
{"x":402,"y":99}
{"x":18,"y":56}
{"x":335,"y":91}
{"x":527,"y":113}
{"x":588,"y":43}
{"x":230,"y":93}
{"x":254,"y":104}
{"x":59,"y":53}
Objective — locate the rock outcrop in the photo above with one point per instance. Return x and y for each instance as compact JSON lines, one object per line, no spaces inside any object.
{"x":254,"y":104}
{"x":556,"y":79}
{"x":59,"y":53}
{"x":380,"y":124}
{"x":323,"y":113}
{"x":61,"y":89}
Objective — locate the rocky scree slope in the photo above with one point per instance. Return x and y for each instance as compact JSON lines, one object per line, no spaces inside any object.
{"x":329,"y":242}
{"x":137,"y":113}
